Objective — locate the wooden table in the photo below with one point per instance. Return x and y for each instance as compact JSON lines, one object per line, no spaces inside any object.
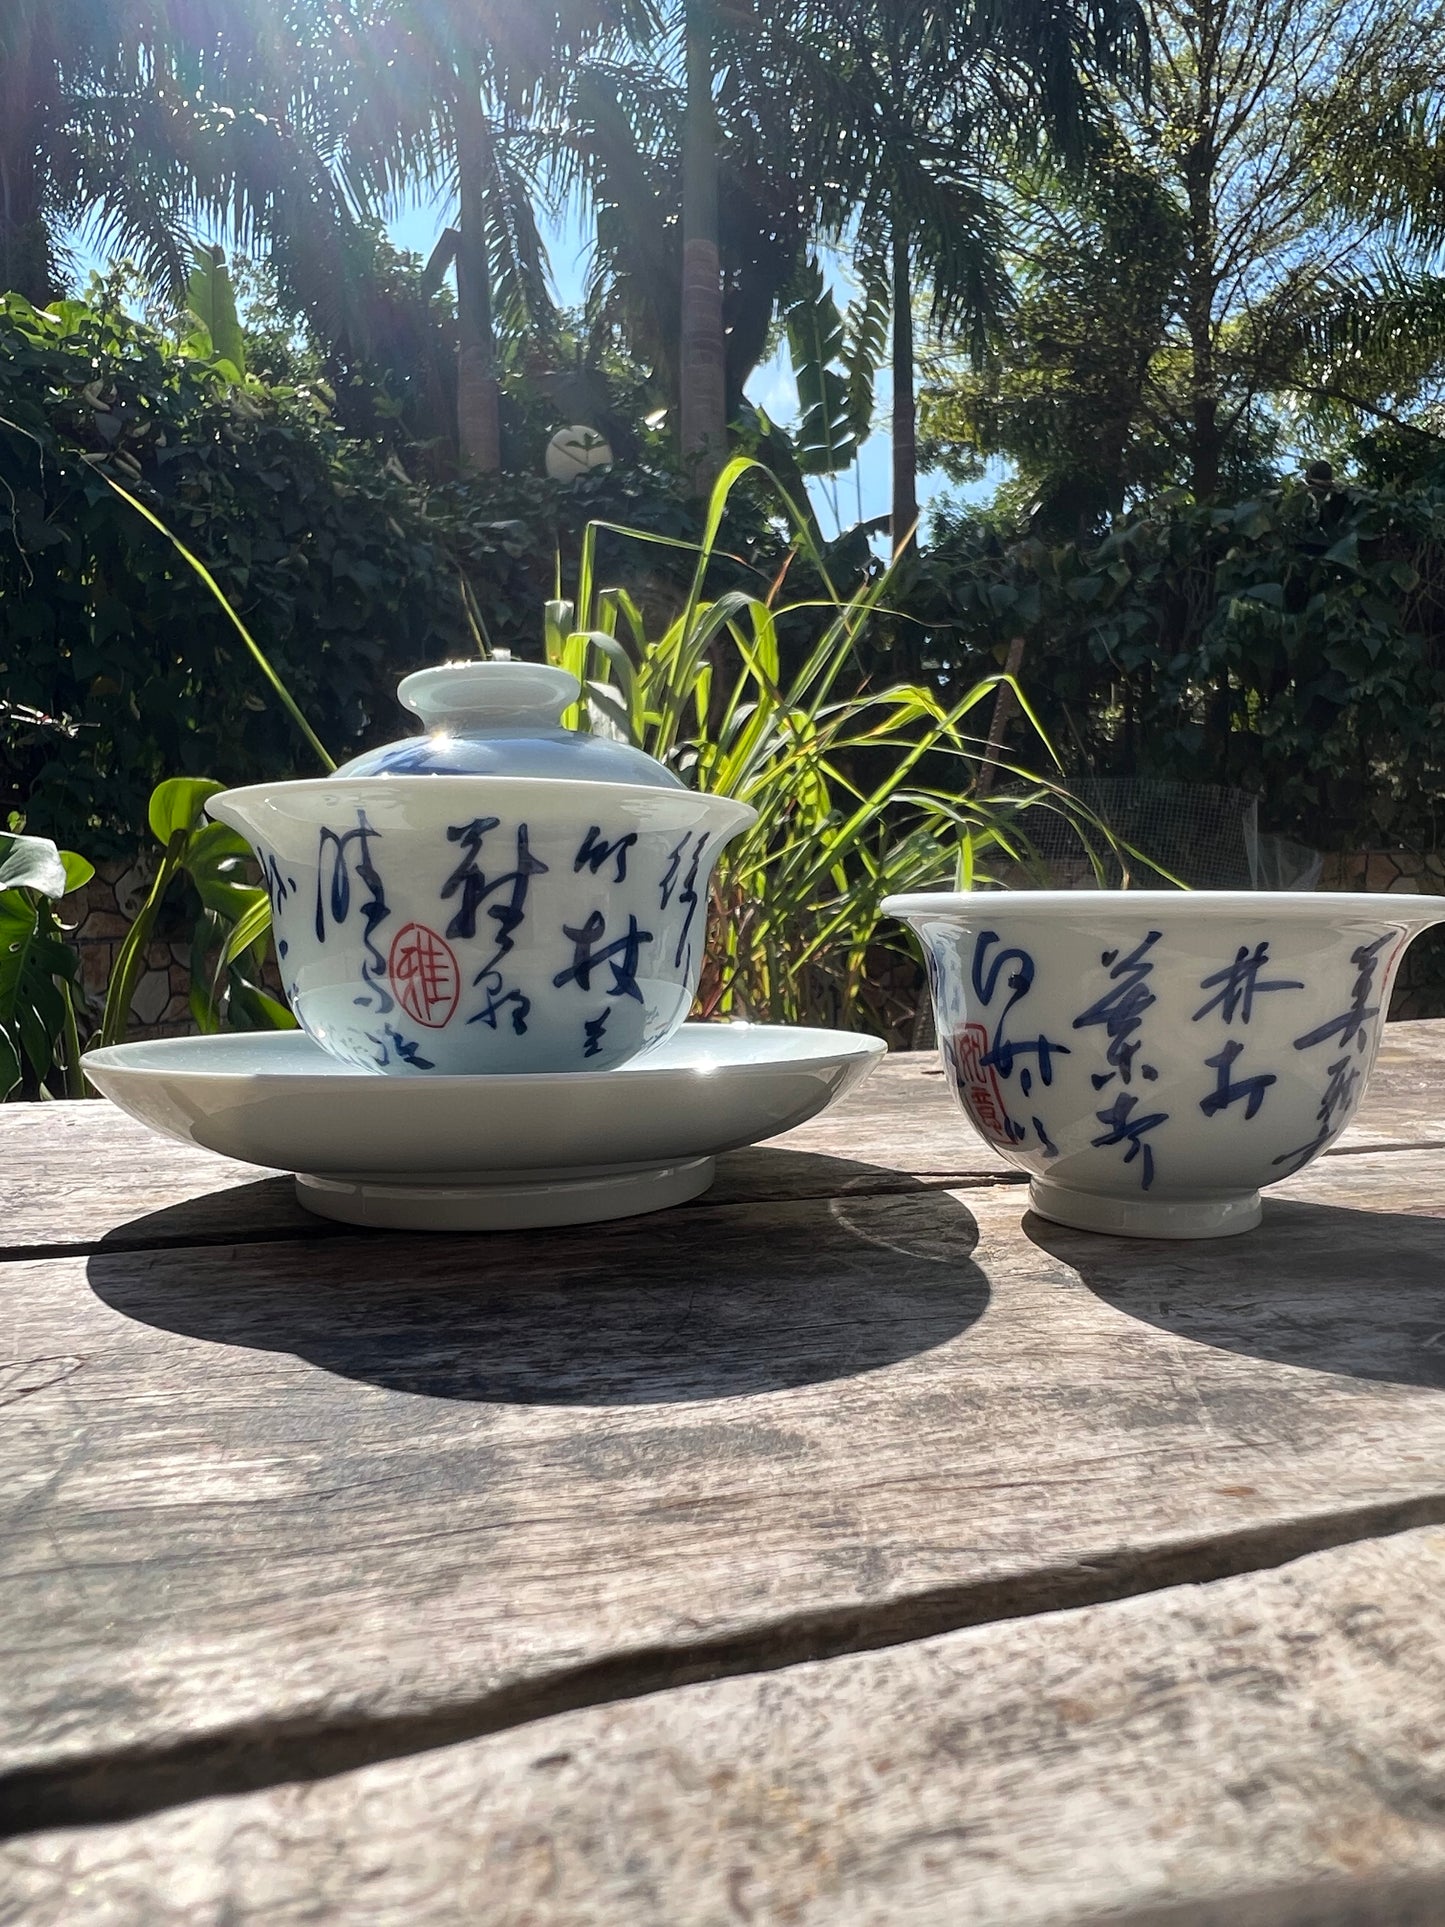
{"x":844,"y":1547}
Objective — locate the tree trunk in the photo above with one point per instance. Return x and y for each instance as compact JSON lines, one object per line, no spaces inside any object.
{"x":1199,"y":166}
{"x":479,"y":435}
{"x":703,"y":356}
{"x":905,"y":429}
{"x":26,"y":258}
{"x":1204,"y":436}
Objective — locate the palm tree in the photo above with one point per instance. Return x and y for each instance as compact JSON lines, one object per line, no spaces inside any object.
{"x":902,"y":118}
{"x":294,"y":123}
{"x":702,"y":349}
{"x":73,"y":77}
{"x":145,"y":119}
{"x":448,"y":90}
{"x":695,"y":298}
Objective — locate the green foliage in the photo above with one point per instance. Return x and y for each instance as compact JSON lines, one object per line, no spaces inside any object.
{"x":38,"y":989}
{"x":722,"y":696}
{"x":118,"y":665}
{"x":1243,"y":264}
{"x":211,"y":301}
{"x":131,"y":651}
{"x":826,"y":439}
{"x":231,"y":918}
{"x":40,"y":995}
{"x":1070,"y":405}
{"x":1292,"y":644}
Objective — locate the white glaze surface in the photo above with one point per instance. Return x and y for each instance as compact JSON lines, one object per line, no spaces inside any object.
{"x":573,"y":1148}
{"x":445,"y":924}
{"x":1153,"y":1058}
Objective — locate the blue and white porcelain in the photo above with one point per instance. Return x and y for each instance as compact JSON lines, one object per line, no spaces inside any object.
{"x":443,"y":1154}
{"x":1154,"y":1058}
{"x":501,"y":895}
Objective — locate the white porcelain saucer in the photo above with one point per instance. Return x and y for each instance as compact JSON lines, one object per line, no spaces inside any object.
{"x":477,"y":1153}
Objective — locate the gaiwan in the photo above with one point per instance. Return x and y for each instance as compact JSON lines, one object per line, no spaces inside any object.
{"x":501,"y":895}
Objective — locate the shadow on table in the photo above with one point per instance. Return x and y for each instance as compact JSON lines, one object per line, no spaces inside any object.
{"x":1322,"y":1287}
{"x":828,"y":1269}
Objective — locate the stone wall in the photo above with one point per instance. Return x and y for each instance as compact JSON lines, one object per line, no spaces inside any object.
{"x":1420,"y":986}
{"x":102,"y":912}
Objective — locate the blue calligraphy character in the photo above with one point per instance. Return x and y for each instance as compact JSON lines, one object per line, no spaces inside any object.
{"x":404,"y":1049}
{"x":596,"y":850}
{"x":1004,"y":1052}
{"x":1352,"y":1025}
{"x":408,"y":1051}
{"x":497,"y":1002}
{"x":412,"y":759}
{"x":1124,"y":1128}
{"x":278,"y":887}
{"x":621,"y":955}
{"x":1050,"y":1149}
{"x":987,"y":970}
{"x":277,"y":884}
{"x":373,"y":909}
{"x":1339,"y":1096}
{"x":592,"y":1030}
{"x":475,"y":887}
{"x":688,"y":895}
{"x":1121,"y":1011}
{"x":1236,"y":985}
{"x":1231,"y":1090}
{"x":674,"y":864}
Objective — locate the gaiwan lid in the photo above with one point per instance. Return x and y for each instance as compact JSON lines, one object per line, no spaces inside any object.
{"x":503,"y":718}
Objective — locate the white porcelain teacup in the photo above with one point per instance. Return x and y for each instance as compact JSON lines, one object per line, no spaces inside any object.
{"x":502,"y":895}
{"x":1154,"y":1058}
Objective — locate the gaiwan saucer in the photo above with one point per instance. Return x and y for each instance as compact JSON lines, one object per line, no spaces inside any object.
{"x":475,"y":1153}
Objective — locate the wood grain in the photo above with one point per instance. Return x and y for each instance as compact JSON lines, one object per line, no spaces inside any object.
{"x":80,"y":1174}
{"x":77,"y":1175}
{"x":271,"y":1509}
{"x":1268,"y":1751}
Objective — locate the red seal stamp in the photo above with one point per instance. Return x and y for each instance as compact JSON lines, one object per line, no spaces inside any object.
{"x":977,"y":1082}
{"x":423,"y":970}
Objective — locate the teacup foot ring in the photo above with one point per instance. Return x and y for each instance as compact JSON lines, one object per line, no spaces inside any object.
{"x":519,"y":1204}
{"x":1218,"y":1217}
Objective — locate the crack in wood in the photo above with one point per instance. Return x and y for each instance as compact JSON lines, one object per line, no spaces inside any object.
{"x":887,"y":1186}
{"x":128,"y":1783}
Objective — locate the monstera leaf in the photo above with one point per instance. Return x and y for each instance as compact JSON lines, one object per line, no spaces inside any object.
{"x":37,"y":966}
{"x":232,"y":927}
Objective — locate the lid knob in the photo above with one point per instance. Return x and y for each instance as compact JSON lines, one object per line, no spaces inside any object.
{"x":458,"y":697}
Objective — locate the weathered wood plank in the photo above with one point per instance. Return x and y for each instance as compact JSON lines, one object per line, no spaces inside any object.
{"x":1405,"y":1102}
{"x":271,"y":1508}
{"x":80,"y":1174}
{"x":1263,"y":1751}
